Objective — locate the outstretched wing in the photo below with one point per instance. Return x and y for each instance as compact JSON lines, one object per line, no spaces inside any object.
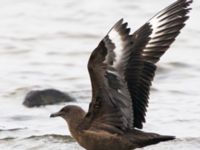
{"x":111,"y":106}
{"x":141,"y":59}
{"x":121,"y":71}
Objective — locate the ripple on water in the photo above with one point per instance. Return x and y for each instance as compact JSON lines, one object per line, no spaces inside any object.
{"x":41,"y":142}
{"x":53,"y":141}
{"x":36,"y":47}
{"x":179,"y":64}
{"x":21,"y":118}
{"x":178,"y":144}
{"x":167,"y":68}
{"x":55,"y":138}
{"x":13,"y":129}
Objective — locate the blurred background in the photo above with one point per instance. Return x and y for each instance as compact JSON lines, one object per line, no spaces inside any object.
{"x":47,"y":43}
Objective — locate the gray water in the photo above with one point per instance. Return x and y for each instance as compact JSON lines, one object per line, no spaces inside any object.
{"x":46,"y":44}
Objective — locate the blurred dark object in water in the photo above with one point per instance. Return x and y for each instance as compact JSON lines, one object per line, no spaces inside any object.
{"x":38,"y":98}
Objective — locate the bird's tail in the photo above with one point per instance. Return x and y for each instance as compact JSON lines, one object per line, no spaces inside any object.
{"x":141,"y":139}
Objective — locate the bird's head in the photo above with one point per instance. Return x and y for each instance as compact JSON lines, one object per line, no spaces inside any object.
{"x":70,"y":113}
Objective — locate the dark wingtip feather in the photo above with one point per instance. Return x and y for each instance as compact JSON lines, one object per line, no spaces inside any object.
{"x":159,"y":33}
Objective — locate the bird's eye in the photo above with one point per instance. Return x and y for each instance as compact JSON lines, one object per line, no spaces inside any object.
{"x":66,"y":110}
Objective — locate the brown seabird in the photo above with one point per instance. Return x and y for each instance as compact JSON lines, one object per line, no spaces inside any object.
{"x":121,"y":69}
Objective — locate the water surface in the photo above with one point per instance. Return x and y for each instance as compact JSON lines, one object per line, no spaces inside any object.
{"x":46,"y":44}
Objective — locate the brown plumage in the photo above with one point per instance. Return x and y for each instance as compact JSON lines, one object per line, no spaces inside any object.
{"x":121,"y":73}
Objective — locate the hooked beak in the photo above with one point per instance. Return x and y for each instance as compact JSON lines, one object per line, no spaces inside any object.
{"x":57,"y":114}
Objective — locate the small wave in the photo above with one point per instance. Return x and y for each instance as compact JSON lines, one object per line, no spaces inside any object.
{"x":153,"y":89}
{"x":195,"y":140}
{"x":21,"y":118}
{"x":179,"y":64}
{"x":13,"y":129}
{"x":39,"y":142}
{"x":169,"y":66}
{"x":188,"y":143}
{"x":72,"y":53}
{"x":78,"y":35}
{"x":52,"y":137}
{"x":8,"y":139}
{"x":163,"y":69}
{"x":14,"y":51}
{"x":177,"y":92}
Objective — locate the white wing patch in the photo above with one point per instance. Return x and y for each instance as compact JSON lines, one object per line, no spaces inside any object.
{"x":116,"y":40}
{"x":113,"y":72}
{"x":155,"y":22}
{"x":115,"y":37}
